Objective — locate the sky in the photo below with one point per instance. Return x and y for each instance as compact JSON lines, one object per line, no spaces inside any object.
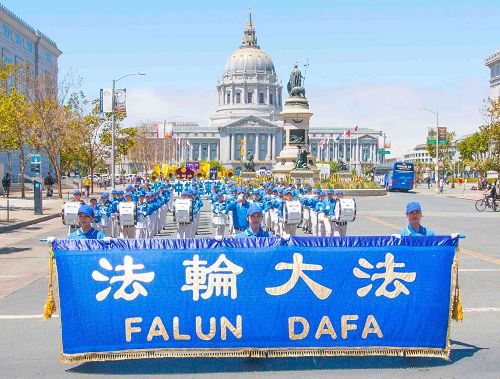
{"x":371,"y":63}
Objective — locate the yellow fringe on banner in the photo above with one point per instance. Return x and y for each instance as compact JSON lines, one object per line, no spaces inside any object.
{"x":256,"y":353}
{"x":457,"y":312}
{"x":50,"y":304}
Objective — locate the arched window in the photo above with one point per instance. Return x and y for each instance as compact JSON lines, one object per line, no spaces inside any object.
{"x":228,"y":98}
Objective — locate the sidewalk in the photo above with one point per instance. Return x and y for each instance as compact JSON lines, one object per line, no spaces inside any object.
{"x":461,"y":191}
{"x":21,"y":211}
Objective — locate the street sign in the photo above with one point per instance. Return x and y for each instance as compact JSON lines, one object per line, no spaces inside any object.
{"x":383,"y":152}
{"x":35,"y":158}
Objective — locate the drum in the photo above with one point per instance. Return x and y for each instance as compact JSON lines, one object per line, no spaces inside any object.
{"x":345,"y":210}
{"x":70,"y":213}
{"x":292,"y":212}
{"x":183,"y":211}
{"x":127,"y":213}
{"x":219,"y":219}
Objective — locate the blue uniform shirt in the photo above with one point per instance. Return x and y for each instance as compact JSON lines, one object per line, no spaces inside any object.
{"x":239,"y":210}
{"x":421,"y":232}
{"x":249,"y":234}
{"x":92,"y":234}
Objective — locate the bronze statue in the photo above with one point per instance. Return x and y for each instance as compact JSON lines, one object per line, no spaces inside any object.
{"x":294,"y":85}
{"x":250,"y":164}
{"x":301,"y":162}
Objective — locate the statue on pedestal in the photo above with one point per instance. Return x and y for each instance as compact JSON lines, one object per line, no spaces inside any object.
{"x":294,"y":85}
{"x":250,"y":164}
{"x":301,"y":162}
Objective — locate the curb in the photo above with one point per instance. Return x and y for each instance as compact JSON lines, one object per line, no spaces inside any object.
{"x":22,"y":224}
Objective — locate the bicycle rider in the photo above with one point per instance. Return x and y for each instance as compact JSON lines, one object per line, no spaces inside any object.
{"x":491,"y":193}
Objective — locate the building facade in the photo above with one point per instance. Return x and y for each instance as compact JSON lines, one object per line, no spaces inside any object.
{"x":493,"y":63}
{"x":418,"y":154}
{"x":20,"y":44}
{"x":247,"y":119}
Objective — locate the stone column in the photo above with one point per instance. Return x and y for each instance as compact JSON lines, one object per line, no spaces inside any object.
{"x":228,"y":158}
{"x":345,"y":151}
{"x":256,"y":146}
{"x":208,"y":151}
{"x":268,"y":154}
{"x":273,"y":148}
{"x":199,"y":151}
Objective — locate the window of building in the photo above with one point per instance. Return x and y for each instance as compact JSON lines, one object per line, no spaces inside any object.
{"x":261,"y":98}
{"x":228,"y":98}
{"x":249,"y":97}
{"x":238,"y":97}
{"x":29,"y":46}
{"x":271,"y":98}
{"x":48,"y":56}
{"x":7,"y":32}
{"x":18,"y":39}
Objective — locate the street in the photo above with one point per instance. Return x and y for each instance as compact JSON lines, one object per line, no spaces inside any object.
{"x":29,"y":345}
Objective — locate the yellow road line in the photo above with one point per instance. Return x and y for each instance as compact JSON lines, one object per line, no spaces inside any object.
{"x":462,"y":250}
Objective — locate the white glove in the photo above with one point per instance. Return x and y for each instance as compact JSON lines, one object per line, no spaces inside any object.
{"x":107,"y":239}
{"x":286,"y":236}
{"x":218,"y":238}
{"x":50,"y":240}
{"x":396,"y":235}
{"x":455,"y":235}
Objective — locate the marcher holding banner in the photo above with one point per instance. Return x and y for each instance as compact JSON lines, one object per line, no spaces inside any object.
{"x":254,"y":218}
{"x":86,"y":231}
{"x":414,"y":214}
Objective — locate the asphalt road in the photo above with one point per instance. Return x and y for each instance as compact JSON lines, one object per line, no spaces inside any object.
{"x":29,"y":345}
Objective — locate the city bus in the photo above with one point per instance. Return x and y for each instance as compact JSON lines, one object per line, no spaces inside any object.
{"x":397,"y":176}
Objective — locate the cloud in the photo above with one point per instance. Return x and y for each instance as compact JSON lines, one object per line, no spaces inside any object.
{"x":392,"y":107}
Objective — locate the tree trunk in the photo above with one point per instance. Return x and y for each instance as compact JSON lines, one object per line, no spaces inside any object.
{"x":22,"y":162}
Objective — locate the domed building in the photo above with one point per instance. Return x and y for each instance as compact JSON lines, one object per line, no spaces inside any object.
{"x":247,"y":119}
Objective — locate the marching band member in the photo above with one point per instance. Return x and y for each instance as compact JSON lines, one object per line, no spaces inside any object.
{"x":286,"y":228}
{"x":268,"y":198}
{"x":320,"y":214}
{"x":340,"y":226}
{"x":313,"y":202}
{"x":306,"y":209}
{"x":141,"y":230}
{"x":219,"y":209}
{"x":86,"y":231}
{"x":103,"y":213}
{"x":184,"y":229}
{"x":328,"y":210}
{"x":127,"y":231}
{"x":238,"y":209}
{"x":254,"y":220}
{"x":77,"y":198}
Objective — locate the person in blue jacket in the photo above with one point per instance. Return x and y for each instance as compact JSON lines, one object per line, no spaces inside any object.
{"x":414,"y":228}
{"x":254,"y":219}
{"x":86,"y":231}
{"x":238,"y":209}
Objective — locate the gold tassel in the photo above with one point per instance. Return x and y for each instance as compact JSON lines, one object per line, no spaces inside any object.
{"x":457,"y":312}
{"x":50,"y":304}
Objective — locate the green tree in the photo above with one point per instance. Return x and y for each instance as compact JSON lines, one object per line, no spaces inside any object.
{"x":15,"y":114}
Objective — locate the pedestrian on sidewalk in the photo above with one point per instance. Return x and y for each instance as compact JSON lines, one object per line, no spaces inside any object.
{"x":428,"y":182}
{"x":6,"y":180}
{"x":441,"y":185}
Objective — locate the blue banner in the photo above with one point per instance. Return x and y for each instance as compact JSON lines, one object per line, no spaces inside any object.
{"x":254,"y":297}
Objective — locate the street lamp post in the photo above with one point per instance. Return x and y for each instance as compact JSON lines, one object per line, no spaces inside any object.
{"x":113,"y":149}
{"x":165,"y":137}
{"x":437,"y":147}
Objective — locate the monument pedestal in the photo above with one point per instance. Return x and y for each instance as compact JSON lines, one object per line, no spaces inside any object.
{"x":296,"y":116}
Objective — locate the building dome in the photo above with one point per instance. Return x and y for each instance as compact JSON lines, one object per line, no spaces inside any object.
{"x":249,"y":60}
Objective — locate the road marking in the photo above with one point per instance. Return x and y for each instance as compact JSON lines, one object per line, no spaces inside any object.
{"x":486,"y":309}
{"x":462,"y":250}
{"x":8,"y":276}
{"x":22,"y":317}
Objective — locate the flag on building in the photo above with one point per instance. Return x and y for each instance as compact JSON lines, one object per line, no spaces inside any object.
{"x":347,"y":132}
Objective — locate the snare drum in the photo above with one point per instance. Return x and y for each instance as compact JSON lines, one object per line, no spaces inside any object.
{"x":183,"y":211}
{"x":345,"y":210}
{"x":219,"y":219}
{"x":127,"y":213}
{"x":292,"y":212}
{"x":70,"y":211}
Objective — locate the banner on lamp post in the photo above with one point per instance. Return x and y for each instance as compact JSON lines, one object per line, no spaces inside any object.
{"x":121,"y":100}
{"x":105,"y":101}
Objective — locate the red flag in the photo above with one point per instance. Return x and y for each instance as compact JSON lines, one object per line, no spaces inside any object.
{"x":356,"y":128}
{"x":347,"y":132}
